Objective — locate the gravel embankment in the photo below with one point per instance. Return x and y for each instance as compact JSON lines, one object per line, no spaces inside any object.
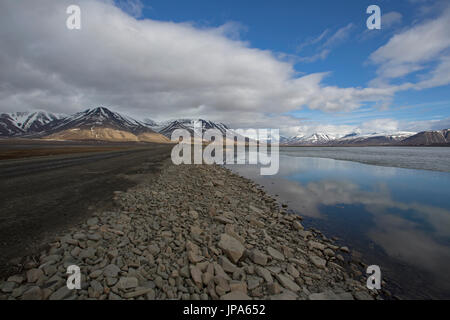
{"x":196,"y":232}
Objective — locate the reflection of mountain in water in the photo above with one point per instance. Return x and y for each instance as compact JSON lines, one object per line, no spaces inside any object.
{"x":410,"y":231}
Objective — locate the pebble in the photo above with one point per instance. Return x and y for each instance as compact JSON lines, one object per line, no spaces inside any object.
{"x":168,"y":238}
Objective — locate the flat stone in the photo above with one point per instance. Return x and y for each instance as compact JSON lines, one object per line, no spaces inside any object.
{"x":223,"y":220}
{"x":95,"y":274}
{"x":299,"y":261}
{"x":33,"y":275}
{"x":292,"y":271}
{"x":128,"y":282}
{"x":253,"y":283}
{"x":92,"y":222}
{"x":256,"y":222}
{"x":184,"y":272}
{"x":220,"y":272}
{"x":95,"y":289}
{"x":345,"y":296}
{"x":238,"y":286}
{"x":265,"y":274}
{"x":297,"y":225}
{"x":34,"y":293}
{"x":274,"y":288}
{"x":94,"y":236}
{"x":196,"y":275}
{"x":235,"y":295}
{"x":111,"y":271}
{"x":345,"y":249}
{"x":318,"y":262}
{"x":208,"y":275}
{"x":8,"y":286}
{"x":16,"y":278}
{"x":327,"y":295}
{"x":61,"y":293}
{"x":232,"y":247}
{"x":277,"y":255}
{"x":138,"y":293}
{"x":362,"y":295}
{"x":316,"y":245}
{"x":227,"y":265}
{"x":284,"y":296}
{"x":88,"y":253}
{"x":259,"y":257}
{"x":287,"y":283}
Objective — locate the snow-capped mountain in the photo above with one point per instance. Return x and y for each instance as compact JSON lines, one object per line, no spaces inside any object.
{"x":425,"y":138}
{"x":103,"y":124}
{"x":314,"y":139}
{"x":188,"y":124}
{"x":8,"y":126}
{"x":98,"y":117}
{"x":385,"y":137}
{"x":351,"y":138}
{"x":25,"y":123}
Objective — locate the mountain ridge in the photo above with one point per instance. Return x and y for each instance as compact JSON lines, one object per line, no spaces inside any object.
{"x":100,"y":123}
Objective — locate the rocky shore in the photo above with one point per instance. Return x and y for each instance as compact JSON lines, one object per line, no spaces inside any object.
{"x":195,"y":232}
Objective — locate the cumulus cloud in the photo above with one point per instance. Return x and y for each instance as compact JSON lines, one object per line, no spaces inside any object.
{"x":414,"y":49}
{"x":149,"y":68}
{"x":156,"y":69}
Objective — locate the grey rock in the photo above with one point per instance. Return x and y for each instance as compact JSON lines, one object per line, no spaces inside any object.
{"x":265,"y":274}
{"x":111,"y":271}
{"x":235,"y":295}
{"x":318,"y":262}
{"x":277,"y":255}
{"x":232,"y":247}
{"x":128,"y":283}
{"x":62,"y":293}
{"x":258,"y":257}
{"x":287,"y":283}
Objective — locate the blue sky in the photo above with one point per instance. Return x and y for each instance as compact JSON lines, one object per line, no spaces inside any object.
{"x":305,"y":29}
{"x":301,"y":66}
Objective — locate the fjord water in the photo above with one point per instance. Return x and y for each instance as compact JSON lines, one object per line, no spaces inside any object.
{"x":396,"y":218}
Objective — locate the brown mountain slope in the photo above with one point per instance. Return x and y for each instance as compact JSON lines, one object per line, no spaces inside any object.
{"x":106,"y":134}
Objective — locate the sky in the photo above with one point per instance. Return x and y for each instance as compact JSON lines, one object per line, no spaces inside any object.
{"x":300,"y":66}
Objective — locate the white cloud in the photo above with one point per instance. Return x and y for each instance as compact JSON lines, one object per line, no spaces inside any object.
{"x":152,"y":69}
{"x":156,"y":69}
{"x":340,"y":35}
{"x":390,"y":19}
{"x":132,"y":7}
{"x":323,"y":43}
{"x":412,"y":50}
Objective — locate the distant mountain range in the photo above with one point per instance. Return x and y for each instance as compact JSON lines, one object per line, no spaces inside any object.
{"x":426,"y":138}
{"x":95,"y":124}
{"x":105,"y":125}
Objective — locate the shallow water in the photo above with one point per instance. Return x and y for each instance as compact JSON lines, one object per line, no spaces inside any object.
{"x":396,"y":218}
{"x":427,"y":158}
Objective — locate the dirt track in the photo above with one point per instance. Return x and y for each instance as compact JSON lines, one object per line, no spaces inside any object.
{"x":43,"y":196}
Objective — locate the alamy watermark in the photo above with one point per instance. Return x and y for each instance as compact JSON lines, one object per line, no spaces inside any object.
{"x":374,"y":21}
{"x":73,"y":21}
{"x":374,"y":279}
{"x":240,"y":146}
{"x":74,"y":279}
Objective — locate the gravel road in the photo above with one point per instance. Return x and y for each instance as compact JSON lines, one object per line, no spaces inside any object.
{"x":43,"y":196}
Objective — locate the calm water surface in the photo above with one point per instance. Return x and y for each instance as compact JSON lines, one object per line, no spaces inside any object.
{"x":397,"y":218}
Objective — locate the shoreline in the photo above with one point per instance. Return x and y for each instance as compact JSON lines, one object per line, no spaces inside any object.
{"x":196,"y":232}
